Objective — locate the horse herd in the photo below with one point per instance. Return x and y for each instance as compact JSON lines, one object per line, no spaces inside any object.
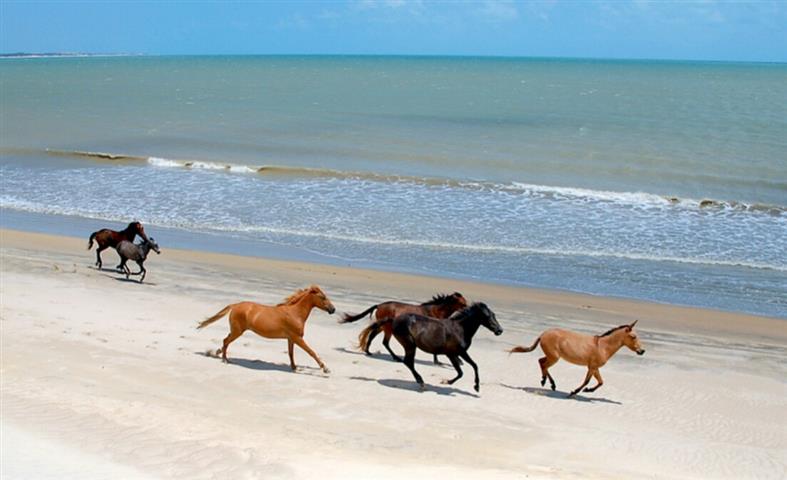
{"x":444,"y":325}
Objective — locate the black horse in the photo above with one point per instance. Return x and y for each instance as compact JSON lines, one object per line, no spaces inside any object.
{"x":450,"y":337}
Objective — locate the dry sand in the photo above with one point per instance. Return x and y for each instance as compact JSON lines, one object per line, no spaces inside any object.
{"x":103,"y":378}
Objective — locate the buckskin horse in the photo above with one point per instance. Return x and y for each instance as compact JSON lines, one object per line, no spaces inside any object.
{"x":285,"y":320}
{"x":580,"y":349}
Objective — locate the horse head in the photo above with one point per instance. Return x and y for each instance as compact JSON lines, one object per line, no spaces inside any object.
{"x":321,"y":300}
{"x":152,"y":245}
{"x":488,"y":318}
{"x":138,"y":229}
{"x":631,"y":340}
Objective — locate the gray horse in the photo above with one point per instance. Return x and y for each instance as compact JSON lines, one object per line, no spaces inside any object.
{"x":137,"y":252}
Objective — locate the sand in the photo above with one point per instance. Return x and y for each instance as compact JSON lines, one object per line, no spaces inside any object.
{"x":107,"y":378}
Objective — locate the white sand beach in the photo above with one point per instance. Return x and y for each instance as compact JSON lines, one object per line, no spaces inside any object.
{"x":104,"y":378}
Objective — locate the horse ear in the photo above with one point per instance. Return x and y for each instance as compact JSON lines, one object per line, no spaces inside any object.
{"x":632,"y":325}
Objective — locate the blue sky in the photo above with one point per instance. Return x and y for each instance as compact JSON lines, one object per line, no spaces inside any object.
{"x":708,"y":30}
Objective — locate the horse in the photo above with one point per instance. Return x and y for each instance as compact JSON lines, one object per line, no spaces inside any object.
{"x":440,"y":306}
{"x":285,"y":320}
{"x":137,"y":252}
{"x":106,"y":238}
{"x":451,"y":337}
{"x":580,"y":349}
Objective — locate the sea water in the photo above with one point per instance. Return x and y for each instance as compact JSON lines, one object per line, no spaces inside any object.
{"x":664,"y":181}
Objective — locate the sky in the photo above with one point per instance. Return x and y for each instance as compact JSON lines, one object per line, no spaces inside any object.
{"x":683,"y":30}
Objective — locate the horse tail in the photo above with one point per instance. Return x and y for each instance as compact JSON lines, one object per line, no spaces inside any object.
{"x":525,"y":349}
{"x":347,"y":318}
{"x":212,"y":319}
{"x":90,"y":240}
{"x":363,"y":337}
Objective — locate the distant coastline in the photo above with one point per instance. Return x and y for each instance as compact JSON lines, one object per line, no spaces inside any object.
{"x":64,"y":54}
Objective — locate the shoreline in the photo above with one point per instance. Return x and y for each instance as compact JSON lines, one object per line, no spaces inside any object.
{"x":114,"y":373}
{"x":665,"y":317}
{"x":68,"y":226}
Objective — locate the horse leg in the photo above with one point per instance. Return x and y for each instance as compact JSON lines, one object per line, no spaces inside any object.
{"x":369,"y":340}
{"x":545,"y":363}
{"x":409,"y":360}
{"x":124,"y":268}
{"x":99,"y":249}
{"x":291,"y":353}
{"x":469,"y":360}
{"x":301,"y":343}
{"x":596,"y":374}
{"x":141,"y":271}
{"x":436,"y":361}
{"x":387,"y":344}
{"x":235,"y":332}
{"x":587,"y":379}
{"x":455,"y":362}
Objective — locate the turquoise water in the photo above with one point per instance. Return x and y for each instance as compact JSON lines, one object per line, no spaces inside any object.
{"x":658,"y":180}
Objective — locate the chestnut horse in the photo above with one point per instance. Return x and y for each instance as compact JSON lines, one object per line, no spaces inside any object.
{"x":285,"y":320}
{"x":440,"y":306}
{"x":451,"y":336}
{"x":106,"y":238}
{"x":580,"y":349}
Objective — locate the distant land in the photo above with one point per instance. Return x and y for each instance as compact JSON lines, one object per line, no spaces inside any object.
{"x":63,"y":54}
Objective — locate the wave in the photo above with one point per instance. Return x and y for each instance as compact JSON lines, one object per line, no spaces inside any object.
{"x":635,"y":199}
{"x":34,"y":207}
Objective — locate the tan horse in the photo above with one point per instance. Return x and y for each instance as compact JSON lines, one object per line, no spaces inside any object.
{"x":285,"y":320}
{"x":580,"y":349}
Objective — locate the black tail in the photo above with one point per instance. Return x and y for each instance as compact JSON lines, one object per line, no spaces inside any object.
{"x":347,"y":318}
{"x":90,"y":240}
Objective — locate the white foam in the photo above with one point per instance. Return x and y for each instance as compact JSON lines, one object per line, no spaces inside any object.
{"x":164,"y":162}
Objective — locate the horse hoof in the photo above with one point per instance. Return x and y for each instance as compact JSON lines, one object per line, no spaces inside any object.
{"x":445,"y":381}
{"x":326,"y":370}
{"x":477,"y":388}
{"x":553,"y":387}
{"x":421,"y":387}
{"x":543,"y":382}
{"x":294,"y":368}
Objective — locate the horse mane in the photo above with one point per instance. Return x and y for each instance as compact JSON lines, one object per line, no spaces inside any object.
{"x":438,"y":299}
{"x":294,"y":298}
{"x":611,"y":331}
{"x":460,"y":315}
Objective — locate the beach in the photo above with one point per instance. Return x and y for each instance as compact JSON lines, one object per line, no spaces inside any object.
{"x":103,"y":377}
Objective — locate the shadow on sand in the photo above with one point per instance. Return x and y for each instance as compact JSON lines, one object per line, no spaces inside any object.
{"x":546,"y":392}
{"x":263,"y":365}
{"x":383,"y":356}
{"x":413,"y":387}
{"x":131,"y":280}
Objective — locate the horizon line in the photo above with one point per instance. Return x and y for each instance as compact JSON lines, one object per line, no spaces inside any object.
{"x":32,"y":55}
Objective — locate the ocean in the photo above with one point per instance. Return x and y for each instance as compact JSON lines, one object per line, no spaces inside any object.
{"x":654,"y":180}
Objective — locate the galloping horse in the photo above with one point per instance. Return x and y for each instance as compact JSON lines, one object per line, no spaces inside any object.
{"x":106,"y":238}
{"x":580,"y":349}
{"x":285,"y":320}
{"x":451,"y":337}
{"x":440,"y":306}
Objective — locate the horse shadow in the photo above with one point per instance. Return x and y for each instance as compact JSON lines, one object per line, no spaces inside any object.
{"x":262,"y":365}
{"x":548,"y":392}
{"x":131,"y":280}
{"x":414,"y":387}
{"x":383,"y":356}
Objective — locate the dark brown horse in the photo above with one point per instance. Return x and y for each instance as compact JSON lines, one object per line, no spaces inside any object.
{"x":440,"y":306}
{"x":107,"y":238}
{"x":451,"y":337}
